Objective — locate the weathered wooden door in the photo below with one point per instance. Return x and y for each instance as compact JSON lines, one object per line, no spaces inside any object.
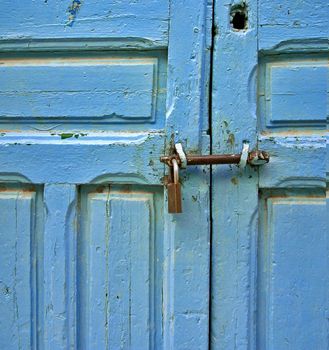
{"x":270,"y":281}
{"x":91,"y":94}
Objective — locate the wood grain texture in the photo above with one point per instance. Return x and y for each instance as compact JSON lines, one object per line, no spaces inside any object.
{"x":94,"y":92}
{"x":59,"y":288}
{"x":78,"y":88}
{"x":270,"y":88}
{"x":295,"y":161}
{"x":298,"y":93}
{"x":84,"y":19}
{"x":280,"y":21}
{"x":292,"y":280}
{"x":186,"y":236}
{"x":234,"y":191}
{"x":20,"y":253}
{"x":292,"y":92}
{"x":89,"y":98}
{"x":119,"y":281}
{"x":124,"y":158}
{"x":82,"y":91}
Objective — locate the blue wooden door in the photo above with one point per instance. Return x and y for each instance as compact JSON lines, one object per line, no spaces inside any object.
{"x":91,"y":94}
{"x":270,"y":281}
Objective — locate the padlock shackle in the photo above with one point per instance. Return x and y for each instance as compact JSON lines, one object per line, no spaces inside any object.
{"x":175,"y":171}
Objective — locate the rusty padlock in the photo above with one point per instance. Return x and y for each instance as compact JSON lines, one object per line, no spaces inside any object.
{"x":174,"y":190}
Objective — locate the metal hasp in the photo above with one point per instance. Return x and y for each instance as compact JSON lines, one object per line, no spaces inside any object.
{"x":181,"y":160}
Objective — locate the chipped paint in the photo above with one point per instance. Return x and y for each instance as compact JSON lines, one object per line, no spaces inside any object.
{"x":234,"y":181}
{"x":231,"y":140}
{"x":73,"y":10}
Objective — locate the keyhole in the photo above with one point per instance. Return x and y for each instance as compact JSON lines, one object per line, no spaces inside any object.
{"x":239,"y":17}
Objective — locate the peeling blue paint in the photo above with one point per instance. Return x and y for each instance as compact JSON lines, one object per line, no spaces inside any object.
{"x":73,"y":10}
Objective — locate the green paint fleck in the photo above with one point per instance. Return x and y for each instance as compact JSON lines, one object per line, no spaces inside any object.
{"x":66,"y":136}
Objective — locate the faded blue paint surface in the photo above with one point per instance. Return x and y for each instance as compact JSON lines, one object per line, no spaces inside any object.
{"x":91,"y":94}
{"x":270,"y":253}
{"x":144,"y":20}
{"x":293,"y":91}
{"x":292,"y":291}
{"x":106,"y":88}
{"x":103,"y":90}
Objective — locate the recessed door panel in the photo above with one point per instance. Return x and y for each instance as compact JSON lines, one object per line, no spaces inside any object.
{"x":120,"y":255}
{"x":21,"y":252}
{"x":291,"y":280}
{"x":91,"y":92}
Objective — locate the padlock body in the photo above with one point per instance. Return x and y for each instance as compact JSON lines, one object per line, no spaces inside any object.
{"x":174,"y":198}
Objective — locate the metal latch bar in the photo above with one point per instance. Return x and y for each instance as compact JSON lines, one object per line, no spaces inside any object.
{"x":253,"y":158}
